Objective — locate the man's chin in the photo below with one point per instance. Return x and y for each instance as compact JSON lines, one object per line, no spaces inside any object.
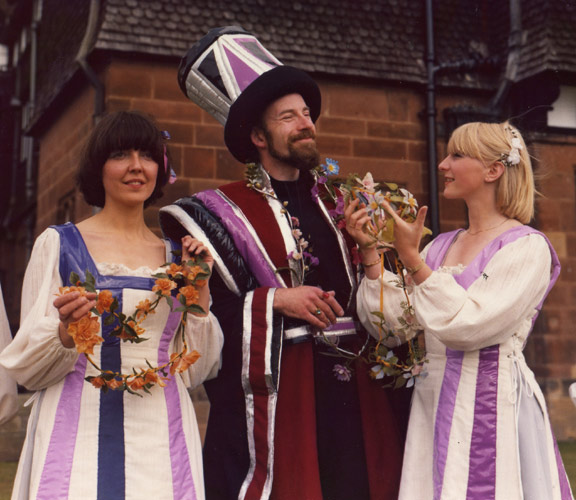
{"x":305,"y":157}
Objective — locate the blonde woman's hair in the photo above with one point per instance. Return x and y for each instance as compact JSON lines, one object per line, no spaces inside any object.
{"x":492,"y":142}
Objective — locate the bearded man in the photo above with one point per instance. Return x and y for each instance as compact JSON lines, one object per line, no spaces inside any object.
{"x":281,"y":425}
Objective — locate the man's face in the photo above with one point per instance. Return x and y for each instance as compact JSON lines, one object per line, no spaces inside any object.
{"x":290,"y":133}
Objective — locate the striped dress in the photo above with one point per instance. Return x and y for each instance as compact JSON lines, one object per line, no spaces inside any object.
{"x":479,"y":428}
{"x":85,"y":444}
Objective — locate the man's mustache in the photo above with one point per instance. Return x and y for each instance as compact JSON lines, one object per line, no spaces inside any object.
{"x":306,"y":134}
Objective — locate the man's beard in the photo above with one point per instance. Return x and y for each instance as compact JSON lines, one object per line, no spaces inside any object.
{"x":302,"y":156}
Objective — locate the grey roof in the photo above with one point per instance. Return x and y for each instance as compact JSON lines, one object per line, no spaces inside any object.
{"x":384,"y":39}
{"x":377,"y":39}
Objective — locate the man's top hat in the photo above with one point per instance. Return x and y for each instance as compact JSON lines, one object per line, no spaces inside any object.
{"x":234,"y":78}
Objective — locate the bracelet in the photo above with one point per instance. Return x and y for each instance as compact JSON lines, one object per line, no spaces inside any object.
{"x":372,"y":244}
{"x":370,"y":264}
{"x":415,"y":269}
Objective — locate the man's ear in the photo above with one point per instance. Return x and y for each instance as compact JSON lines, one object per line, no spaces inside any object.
{"x":258,"y":138}
{"x":494,"y":172}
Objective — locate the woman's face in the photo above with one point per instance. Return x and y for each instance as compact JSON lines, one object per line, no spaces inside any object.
{"x":463,"y":176}
{"x":129,"y":177}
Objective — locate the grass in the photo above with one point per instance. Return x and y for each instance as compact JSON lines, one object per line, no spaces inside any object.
{"x":567,"y":449}
{"x":7,"y":473}
{"x":568,"y":452}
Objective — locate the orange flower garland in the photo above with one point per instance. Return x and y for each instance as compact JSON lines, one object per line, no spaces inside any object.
{"x":186,"y":278}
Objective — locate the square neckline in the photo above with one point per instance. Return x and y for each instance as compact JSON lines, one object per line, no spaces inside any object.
{"x":167,"y":246}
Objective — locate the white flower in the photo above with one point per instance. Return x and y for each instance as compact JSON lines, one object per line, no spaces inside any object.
{"x":378,"y":372}
{"x":514,"y":157}
{"x":368,"y":182}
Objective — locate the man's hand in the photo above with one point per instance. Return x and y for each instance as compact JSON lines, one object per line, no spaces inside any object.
{"x":308,"y":303}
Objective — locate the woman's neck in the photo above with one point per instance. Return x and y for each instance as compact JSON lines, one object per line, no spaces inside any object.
{"x":483,"y":214}
{"x":128,"y":221}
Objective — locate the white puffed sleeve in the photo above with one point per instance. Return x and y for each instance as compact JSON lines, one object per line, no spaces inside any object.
{"x":499,"y":303}
{"x":203,"y":333}
{"x":36,"y":357}
{"x":384,"y":295}
{"x":8,"y":392}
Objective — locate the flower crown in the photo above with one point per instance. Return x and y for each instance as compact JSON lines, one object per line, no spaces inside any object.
{"x":513,"y":156}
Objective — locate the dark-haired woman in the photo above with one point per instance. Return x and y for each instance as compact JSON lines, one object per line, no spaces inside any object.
{"x":84,"y":442}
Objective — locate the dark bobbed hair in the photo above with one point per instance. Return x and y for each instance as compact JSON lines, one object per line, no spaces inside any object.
{"x":120,"y":131}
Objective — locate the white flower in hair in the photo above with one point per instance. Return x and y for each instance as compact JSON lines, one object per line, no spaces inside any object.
{"x":513,"y":157}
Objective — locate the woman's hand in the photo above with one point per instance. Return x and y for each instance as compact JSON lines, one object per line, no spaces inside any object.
{"x":407,"y":235}
{"x":191,"y":247}
{"x":356,"y":218}
{"x":72,"y":307}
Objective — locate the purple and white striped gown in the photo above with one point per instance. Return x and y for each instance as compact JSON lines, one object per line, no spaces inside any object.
{"x":82,"y":443}
{"x":479,"y":428}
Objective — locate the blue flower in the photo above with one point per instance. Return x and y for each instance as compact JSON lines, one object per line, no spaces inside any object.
{"x":331,"y":167}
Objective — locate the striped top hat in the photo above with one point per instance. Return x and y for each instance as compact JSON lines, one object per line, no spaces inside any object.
{"x":233,"y":77}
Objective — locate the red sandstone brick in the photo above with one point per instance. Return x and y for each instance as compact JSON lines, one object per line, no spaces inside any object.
{"x":568,"y":217}
{"x":176,"y":154}
{"x":129,"y":81}
{"x":394,"y":130}
{"x":558,"y":185}
{"x":114,"y":104}
{"x":560,"y":295}
{"x":208,"y":135}
{"x":417,"y":151}
{"x":182,"y":133}
{"x":548,"y":214}
{"x":169,"y":110}
{"x":343,"y":126}
{"x":368,"y":103}
{"x":173,"y":192}
{"x":334,"y":146}
{"x":209,"y":119}
{"x":560,"y":349}
{"x":227,"y":167}
{"x":399,"y":107}
{"x":380,"y":149}
{"x":166,"y":86}
{"x":199,"y":162}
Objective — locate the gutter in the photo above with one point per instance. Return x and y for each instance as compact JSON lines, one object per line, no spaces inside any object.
{"x":81,"y":58}
{"x":514,"y":44}
{"x":431,"y":120}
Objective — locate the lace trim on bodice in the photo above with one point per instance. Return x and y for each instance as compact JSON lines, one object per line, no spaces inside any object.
{"x":453,"y":270}
{"x":112,"y":269}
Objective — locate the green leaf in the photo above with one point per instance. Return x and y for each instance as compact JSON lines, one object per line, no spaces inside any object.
{"x":74,"y":278}
{"x":196,"y":309}
{"x":400,"y":382}
{"x":109,"y":319}
{"x":90,"y":278}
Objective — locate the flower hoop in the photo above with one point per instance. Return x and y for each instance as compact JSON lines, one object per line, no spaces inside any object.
{"x":385,"y":362}
{"x":186,"y":279}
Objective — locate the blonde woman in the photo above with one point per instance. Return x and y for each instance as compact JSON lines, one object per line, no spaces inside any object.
{"x":479,"y":428}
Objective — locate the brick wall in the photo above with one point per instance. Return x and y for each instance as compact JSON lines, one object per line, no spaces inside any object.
{"x":366,"y":127}
{"x":551,"y":351}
